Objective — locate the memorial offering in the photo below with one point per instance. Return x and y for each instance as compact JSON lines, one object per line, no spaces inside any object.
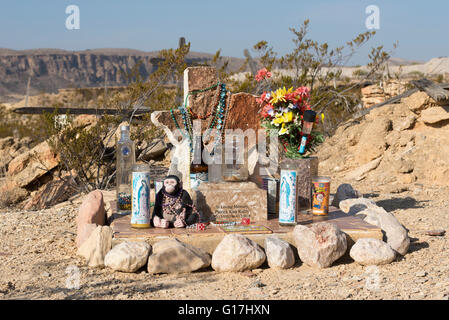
{"x":283,"y":112}
{"x":173,"y":206}
{"x":140,"y":215}
{"x":126,"y":158}
{"x":287,"y":113}
{"x":320,"y":195}
{"x":288,"y":195}
{"x":308,"y":119}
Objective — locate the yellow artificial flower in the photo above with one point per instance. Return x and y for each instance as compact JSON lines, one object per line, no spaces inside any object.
{"x":278,"y":120}
{"x":284,"y":118}
{"x":322,"y":117}
{"x":283,"y":130}
{"x":279,"y":95}
{"x":288,"y":116}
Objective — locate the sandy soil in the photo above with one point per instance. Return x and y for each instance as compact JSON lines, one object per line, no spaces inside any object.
{"x":38,"y":261}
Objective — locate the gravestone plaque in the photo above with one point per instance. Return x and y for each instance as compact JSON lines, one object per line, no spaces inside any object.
{"x":231,"y":201}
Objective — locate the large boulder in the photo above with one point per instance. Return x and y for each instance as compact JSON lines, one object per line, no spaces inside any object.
{"x":174,"y":256}
{"x":319,"y":245}
{"x":128,"y":256}
{"x":395,"y":233}
{"x":237,"y":253}
{"x":33,"y":164}
{"x":279,"y":253}
{"x":95,"y":248}
{"x":369,"y":251}
{"x":91,"y":211}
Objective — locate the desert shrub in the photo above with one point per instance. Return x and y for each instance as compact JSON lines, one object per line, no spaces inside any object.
{"x":359,"y":73}
{"x":319,"y":67}
{"x":20,"y":126}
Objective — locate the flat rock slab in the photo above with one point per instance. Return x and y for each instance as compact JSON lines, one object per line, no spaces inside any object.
{"x":354,"y":227}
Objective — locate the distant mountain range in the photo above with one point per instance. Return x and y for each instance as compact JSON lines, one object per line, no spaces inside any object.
{"x":52,"y":69}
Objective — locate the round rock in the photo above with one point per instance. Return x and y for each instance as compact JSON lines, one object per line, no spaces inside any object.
{"x":279,"y":253}
{"x":319,"y":245}
{"x":368,"y":251}
{"x":237,"y":253}
{"x":128,"y":256}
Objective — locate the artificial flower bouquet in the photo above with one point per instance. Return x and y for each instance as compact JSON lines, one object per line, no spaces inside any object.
{"x":282,"y":112}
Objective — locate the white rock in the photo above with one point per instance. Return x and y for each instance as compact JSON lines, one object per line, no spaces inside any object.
{"x":237,"y":253}
{"x":395,"y":233}
{"x":128,"y":256}
{"x":369,"y":251}
{"x":355,"y":205}
{"x":279,"y":253}
{"x":95,"y":248}
{"x":174,"y":256}
{"x":320,"y":245}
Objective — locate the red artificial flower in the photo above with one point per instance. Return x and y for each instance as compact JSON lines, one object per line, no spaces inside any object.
{"x":263,"y":74}
{"x":267,"y":111}
{"x":262,"y":97}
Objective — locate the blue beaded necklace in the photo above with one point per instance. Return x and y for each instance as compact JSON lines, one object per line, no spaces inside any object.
{"x":218,"y":120}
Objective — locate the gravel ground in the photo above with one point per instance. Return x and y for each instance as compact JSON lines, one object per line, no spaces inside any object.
{"x":38,"y":261}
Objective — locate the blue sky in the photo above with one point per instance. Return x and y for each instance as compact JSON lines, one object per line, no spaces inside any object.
{"x":421,"y":27}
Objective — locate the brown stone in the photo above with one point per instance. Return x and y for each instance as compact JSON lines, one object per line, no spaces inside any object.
{"x":435,"y":114}
{"x":31,"y":165}
{"x":231,"y":201}
{"x":91,"y":211}
{"x":418,"y":101}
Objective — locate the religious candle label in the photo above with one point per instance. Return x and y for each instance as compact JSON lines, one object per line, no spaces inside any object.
{"x":140,"y":198}
{"x":320,"y":197}
{"x":287,"y":204}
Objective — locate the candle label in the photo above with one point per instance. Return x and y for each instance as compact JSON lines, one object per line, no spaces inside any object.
{"x":140,"y":198}
{"x":287,"y":202}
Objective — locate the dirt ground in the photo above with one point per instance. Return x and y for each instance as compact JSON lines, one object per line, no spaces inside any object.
{"x":39,"y":261}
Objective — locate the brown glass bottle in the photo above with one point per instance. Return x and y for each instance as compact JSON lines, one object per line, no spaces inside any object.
{"x":198,"y":168}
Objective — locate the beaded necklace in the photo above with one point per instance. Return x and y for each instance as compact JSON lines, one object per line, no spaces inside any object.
{"x":218,"y":120}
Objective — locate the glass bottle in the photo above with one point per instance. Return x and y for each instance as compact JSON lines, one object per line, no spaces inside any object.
{"x":288,"y":193}
{"x":198,"y":168}
{"x":126,"y":157}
